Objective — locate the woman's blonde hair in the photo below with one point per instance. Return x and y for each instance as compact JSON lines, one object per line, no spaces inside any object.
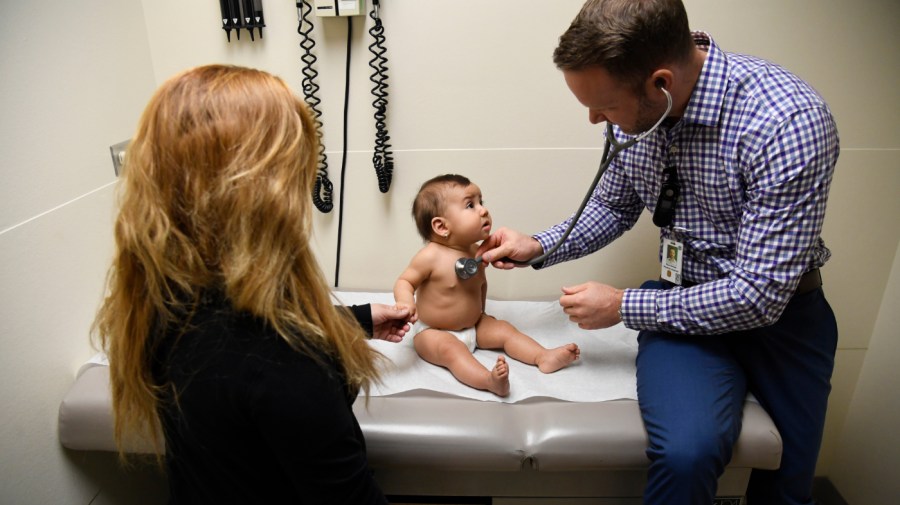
{"x":216,"y":197}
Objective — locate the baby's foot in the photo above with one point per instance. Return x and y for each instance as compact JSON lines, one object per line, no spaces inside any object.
{"x":498,"y":382}
{"x":552,"y":360}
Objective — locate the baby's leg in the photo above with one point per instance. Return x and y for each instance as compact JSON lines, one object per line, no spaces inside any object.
{"x":492,"y":333}
{"x":443,"y":349}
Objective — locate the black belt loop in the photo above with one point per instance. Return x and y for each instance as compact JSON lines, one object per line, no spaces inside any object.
{"x":810,"y":281}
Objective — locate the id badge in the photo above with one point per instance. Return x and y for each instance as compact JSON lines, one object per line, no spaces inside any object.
{"x":671,"y":260}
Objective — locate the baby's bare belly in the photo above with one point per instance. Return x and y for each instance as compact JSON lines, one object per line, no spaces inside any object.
{"x":449,"y":314}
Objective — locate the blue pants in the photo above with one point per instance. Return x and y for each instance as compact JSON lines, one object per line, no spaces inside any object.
{"x":691,"y":391}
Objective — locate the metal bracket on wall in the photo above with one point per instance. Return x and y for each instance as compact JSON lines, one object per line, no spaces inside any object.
{"x":118,"y":155}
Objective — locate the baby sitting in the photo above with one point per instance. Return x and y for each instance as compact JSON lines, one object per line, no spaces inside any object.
{"x":451,"y":217}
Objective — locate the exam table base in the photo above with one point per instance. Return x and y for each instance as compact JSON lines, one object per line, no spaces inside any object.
{"x":530,"y":487}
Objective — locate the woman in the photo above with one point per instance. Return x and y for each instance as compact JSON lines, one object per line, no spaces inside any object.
{"x":219,"y":325}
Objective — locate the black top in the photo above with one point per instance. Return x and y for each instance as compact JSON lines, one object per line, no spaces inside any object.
{"x":249,"y":420}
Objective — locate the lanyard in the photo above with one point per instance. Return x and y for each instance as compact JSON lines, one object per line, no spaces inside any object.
{"x":664,"y":214}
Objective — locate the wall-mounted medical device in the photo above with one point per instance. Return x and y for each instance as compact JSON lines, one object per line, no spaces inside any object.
{"x":322,"y":190}
{"x":246,"y":14}
{"x":330,"y":8}
{"x":383,"y":156}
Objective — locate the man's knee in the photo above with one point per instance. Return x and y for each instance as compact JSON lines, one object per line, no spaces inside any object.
{"x":690,"y":457}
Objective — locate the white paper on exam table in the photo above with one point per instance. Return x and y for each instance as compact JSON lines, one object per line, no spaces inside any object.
{"x":605,"y":371}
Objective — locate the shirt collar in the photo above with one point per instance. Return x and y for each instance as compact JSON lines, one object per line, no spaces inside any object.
{"x":705,"y":104}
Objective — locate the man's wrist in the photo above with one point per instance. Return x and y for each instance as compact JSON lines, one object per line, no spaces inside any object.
{"x":538,"y":250}
{"x":620,"y":295}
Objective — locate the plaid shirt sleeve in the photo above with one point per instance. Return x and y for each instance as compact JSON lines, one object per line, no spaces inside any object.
{"x":613,"y":208}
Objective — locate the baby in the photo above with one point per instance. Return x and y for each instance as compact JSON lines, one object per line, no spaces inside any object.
{"x":451,"y":217}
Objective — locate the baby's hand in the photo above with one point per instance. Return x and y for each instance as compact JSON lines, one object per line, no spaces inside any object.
{"x":412,"y":317}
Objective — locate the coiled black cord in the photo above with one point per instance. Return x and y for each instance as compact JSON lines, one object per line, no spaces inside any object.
{"x":323,"y":190}
{"x":383,"y":158}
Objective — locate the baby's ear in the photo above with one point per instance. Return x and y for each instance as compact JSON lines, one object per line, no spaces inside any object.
{"x":439,"y":227}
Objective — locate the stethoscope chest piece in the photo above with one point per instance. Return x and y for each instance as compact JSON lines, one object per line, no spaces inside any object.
{"x":466,"y":268}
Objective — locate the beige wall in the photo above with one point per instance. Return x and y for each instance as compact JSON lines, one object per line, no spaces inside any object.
{"x":865,"y":462}
{"x":76,"y":75}
{"x":473,"y":91}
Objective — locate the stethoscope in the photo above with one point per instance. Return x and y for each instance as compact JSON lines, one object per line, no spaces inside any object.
{"x":468,"y":267}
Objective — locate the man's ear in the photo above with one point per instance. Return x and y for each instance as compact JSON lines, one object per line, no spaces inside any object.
{"x":439,"y":227}
{"x":660,"y":78}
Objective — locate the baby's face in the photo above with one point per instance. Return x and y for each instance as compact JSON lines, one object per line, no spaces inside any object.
{"x":467,"y":218}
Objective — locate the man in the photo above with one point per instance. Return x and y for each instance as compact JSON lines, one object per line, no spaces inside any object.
{"x":750,"y":149}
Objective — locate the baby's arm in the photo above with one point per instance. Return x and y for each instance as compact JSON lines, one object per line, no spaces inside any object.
{"x":416,"y":273}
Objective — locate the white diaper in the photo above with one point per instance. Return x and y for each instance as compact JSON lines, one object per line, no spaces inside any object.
{"x":466,"y":336}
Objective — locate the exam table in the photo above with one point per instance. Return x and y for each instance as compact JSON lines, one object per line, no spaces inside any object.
{"x":572,"y":437}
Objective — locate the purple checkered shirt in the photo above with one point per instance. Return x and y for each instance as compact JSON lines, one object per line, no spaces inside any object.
{"x":755,"y":153}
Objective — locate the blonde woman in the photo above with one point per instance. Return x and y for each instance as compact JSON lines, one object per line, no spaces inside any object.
{"x":218,"y":323}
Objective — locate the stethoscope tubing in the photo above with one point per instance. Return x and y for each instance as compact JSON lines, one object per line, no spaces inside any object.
{"x":467,"y":267}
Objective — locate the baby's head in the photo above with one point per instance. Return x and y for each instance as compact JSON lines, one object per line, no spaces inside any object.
{"x":430,"y":200}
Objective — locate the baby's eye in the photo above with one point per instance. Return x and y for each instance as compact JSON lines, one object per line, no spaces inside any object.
{"x":469,"y":205}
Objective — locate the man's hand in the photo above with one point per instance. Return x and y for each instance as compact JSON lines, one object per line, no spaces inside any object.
{"x":592,"y":305}
{"x":390,"y":322}
{"x":505,"y":244}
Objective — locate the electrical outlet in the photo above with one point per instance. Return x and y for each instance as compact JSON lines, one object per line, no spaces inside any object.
{"x":118,"y":155}
{"x":331,"y":8}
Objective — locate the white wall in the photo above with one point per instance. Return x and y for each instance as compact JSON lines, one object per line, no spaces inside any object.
{"x":75,"y":77}
{"x":473,"y":91}
{"x":864,"y":467}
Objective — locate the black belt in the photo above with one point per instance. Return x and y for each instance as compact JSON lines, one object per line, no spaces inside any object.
{"x":810,"y":281}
